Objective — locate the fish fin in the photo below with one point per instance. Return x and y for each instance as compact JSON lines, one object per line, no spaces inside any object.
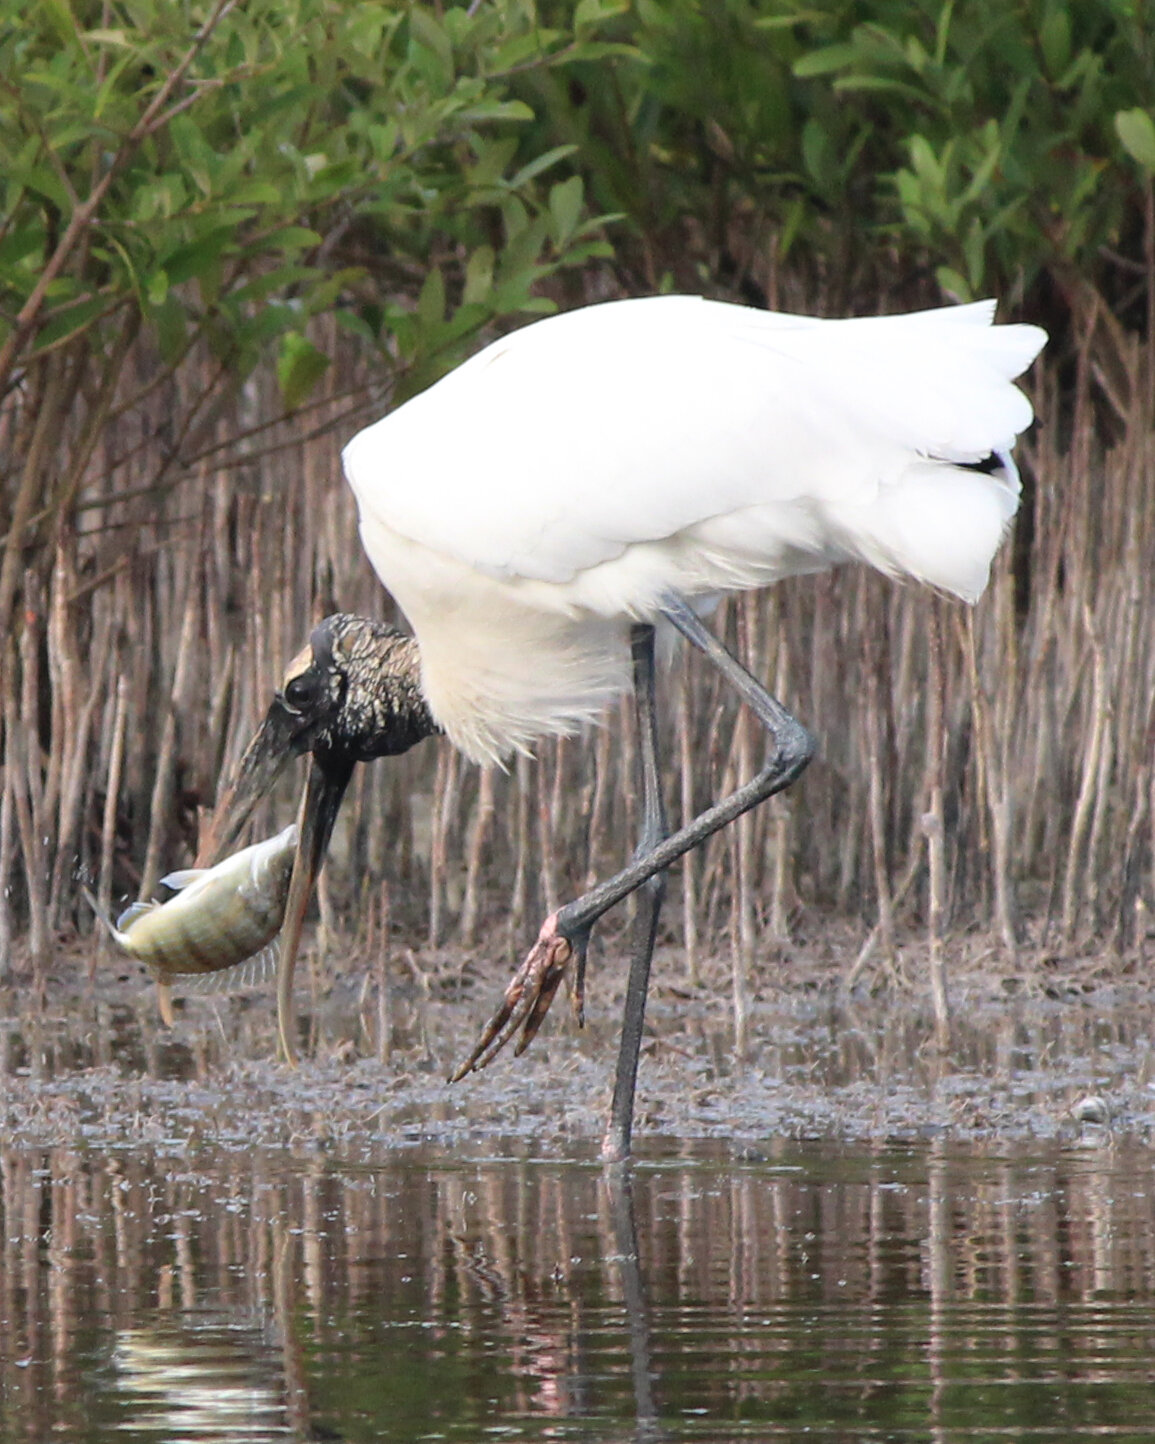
{"x":130,"y":914}
{"x":250,"y":972}
{"x":114,"y":930}
{"x":183,"y":877}
{"x":251,"y":886}
{"x":101,"y":916}
{"x":164,"y":1003}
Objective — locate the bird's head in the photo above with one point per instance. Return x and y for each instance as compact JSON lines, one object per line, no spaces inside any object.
{"x":353,"y":693}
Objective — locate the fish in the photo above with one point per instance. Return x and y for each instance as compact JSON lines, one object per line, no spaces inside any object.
{"x":221,"y":918}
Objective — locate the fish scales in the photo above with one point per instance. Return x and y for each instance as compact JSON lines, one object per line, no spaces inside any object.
{"x":220,"y":917}
{"x":226,"y":930}
{"x":210,"y":942}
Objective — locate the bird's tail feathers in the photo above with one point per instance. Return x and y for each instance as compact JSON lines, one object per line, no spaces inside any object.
{"x":941,"y":525}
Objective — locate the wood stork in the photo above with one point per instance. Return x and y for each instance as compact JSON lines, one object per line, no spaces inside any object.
{"x":541,"y":509}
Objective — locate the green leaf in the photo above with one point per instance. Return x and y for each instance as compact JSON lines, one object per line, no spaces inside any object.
{"x":782,"y":22}
{"x":300,"y":366}
{"x":199,"y":158}
{"x":493,"y":156}
{"x":818,"y":155}
{"x":1136,"y":130}
{"x":478,"y":275}
{"x":565,"y":205}
{"x":60,"y":16}
{"x":108,"y":37}
{"x":356,"y":325}
{"x":953,"y":284}
{"x":588,"y":13}
{"x":540,"y":163}
{"x":18,"y":244}
{"x":384,"y":139}
{"x":431,"y":302}
{"x":518,"y":51}
{"x":974,"y":250}
{"x":256,"y":193}
{"x":824,"y":61}
{"x":590,"y":52}
{"x":925,"y":162}
{"x":171,"y":325}
{"x":45,"y":182}
{"x":515,"y":216}
{"x":883,"y":85}
{"x":521,"y":252}
{"x":268,"y":284}
{"x":497,"y":110}
{"x":291,"y":238}
{"x":196,"y":259}
{"x":71,"y":319}
{"x":433,"y":38}
{"x":1055,"y":40}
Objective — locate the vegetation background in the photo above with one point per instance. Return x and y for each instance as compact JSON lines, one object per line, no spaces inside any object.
{"x":231,"y":234}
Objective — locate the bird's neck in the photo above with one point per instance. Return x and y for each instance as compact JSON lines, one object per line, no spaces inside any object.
{"x":387,"y":706}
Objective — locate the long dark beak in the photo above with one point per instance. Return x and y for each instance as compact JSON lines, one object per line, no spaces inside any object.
{"x":278,"y":740}
{"x":273,"y":747}
{"x":328,"y":779}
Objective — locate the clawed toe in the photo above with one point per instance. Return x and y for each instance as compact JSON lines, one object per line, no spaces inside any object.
{"x":526,"y":1000}
{"x":552,"y":974}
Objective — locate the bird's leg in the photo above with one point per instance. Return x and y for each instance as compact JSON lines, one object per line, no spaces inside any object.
{"x":616,"y":1143}
{"x":793,"y":749}
{"x":531,"y":990}
{"x":566,"y":932}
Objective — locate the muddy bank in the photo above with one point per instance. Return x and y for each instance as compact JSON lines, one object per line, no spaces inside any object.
{"x":96,"y":1067}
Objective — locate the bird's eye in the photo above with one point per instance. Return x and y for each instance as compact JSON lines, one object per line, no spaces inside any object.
{"x":300,"y":691}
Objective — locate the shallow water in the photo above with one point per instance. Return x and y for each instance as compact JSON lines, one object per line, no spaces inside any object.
{"x":847,"y":1237}
{"x":838,"y":1292}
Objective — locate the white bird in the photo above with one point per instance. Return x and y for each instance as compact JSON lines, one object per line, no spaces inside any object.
{"x":539,"y":510}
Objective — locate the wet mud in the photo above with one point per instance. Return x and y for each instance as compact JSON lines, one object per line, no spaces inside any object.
{"x":1042,"y":1052}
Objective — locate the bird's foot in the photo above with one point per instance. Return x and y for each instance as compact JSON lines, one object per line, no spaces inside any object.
{"x":527,"y":998}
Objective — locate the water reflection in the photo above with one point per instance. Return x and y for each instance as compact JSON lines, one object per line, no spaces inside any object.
{"x":858,"y":1293}
{"x":199,"y":1380}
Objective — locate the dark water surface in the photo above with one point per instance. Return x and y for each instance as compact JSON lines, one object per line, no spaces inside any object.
{"x":848,"y":1237}
{"x":857,"y":1292}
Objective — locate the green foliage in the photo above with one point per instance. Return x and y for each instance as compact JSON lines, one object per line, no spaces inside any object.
{"x":999,"y":125}
{"x":420,"y":170}
{"x":209,"y":181}
{"x":295,"y":124}
{"x":989,"y":143}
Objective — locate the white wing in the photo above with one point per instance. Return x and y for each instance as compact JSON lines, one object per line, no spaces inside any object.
{"x":563,"y":445}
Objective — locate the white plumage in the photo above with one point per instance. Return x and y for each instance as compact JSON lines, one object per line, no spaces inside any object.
{"x":557,"y":486}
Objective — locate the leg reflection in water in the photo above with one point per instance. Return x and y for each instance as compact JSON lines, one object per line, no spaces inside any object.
{"x":618,"y":1187}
